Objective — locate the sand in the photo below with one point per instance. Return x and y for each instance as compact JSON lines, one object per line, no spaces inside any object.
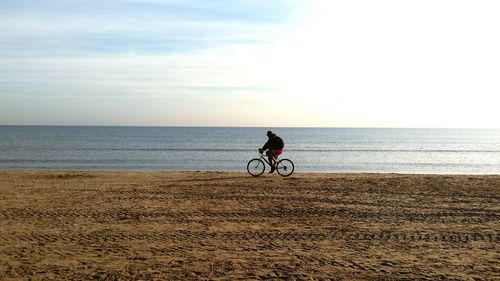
{"x":211,"y":225}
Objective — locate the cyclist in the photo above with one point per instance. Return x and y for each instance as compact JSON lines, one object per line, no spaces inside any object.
{"x":275,"y":145}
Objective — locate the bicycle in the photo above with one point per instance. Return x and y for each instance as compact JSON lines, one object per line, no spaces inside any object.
{"x":256,"y":166}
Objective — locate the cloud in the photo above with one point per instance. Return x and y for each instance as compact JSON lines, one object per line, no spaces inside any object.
{"x":309,"y":63}
{"x":110,"y":27}
{"x":216,"y":82}
{"x":135,"y":62}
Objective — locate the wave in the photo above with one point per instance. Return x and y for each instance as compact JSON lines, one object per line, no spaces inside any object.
{"x":293,"y":150}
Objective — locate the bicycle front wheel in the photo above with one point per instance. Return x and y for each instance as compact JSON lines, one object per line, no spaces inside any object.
{"x":285,"y":167}
{"x":256,"y":167}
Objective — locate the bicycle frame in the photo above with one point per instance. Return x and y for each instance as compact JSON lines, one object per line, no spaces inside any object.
{"x":264,"y":158}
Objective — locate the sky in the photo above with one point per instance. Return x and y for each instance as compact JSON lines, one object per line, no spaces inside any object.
{"x":262,"y":63}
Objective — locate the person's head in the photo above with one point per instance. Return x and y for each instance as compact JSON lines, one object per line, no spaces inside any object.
{"x":270,"y":134}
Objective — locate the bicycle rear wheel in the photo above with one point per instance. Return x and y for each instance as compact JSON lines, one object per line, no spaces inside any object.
{"x":256,"y":167}
{"x":285,"y":167}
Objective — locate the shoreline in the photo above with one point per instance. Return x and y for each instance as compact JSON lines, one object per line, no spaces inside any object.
{"x":3,"y":170}
{"x":216,"y":225}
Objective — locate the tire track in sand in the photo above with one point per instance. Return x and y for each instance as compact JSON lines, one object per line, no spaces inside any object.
{"x":112,"y":236}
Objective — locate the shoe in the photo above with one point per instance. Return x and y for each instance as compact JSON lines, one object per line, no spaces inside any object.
{"x":272,"y":170}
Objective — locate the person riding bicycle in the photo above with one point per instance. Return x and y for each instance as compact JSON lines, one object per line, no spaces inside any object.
{"x":275,"y":145}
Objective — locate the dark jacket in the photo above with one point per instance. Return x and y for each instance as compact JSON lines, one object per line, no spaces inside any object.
{"x":274,"y":142}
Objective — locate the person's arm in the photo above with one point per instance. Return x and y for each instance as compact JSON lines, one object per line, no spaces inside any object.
{"x":266,"y":146}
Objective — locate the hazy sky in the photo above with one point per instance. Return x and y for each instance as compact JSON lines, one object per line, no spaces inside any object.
{"x":250,"y":63}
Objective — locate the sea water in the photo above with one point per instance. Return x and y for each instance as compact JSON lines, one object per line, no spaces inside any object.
{"x":439,"y":151}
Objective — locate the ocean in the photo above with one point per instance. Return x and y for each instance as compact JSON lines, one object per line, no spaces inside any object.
{"x":373,"y":150}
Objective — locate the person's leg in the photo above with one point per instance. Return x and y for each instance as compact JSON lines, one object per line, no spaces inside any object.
{"x":271,"y":159}
{"x":274,"y":156}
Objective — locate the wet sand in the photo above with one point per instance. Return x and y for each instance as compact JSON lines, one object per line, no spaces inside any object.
{"x":210,"y":225}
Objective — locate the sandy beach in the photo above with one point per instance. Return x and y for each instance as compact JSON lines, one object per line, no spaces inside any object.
{"x":217,"y":225}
